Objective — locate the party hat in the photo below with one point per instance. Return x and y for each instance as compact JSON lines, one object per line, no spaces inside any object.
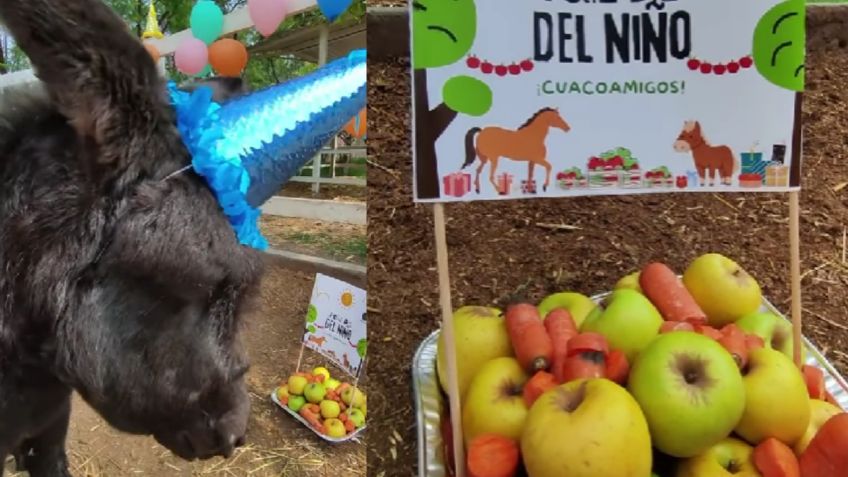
{"x":151,"y":30}
{"x":249,"y":147}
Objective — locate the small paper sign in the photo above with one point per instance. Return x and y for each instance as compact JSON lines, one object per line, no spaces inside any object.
{"x":540,"y":98}
{"x":335,"y":323}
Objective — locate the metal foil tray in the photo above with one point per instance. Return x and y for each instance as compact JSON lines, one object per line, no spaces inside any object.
{"x":430,"y":402}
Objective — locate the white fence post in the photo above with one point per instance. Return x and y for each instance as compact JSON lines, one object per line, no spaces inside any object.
{"x":323,"y":43}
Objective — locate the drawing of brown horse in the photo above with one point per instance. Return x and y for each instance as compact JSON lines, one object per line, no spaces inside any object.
{"x":527,"y":143}
{"x":709,"y":160}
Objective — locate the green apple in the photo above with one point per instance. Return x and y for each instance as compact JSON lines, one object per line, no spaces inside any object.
{"x":353,"y":397}
{"x":691,"y":392}
{"x":480,"y":335}
{"x":297,"y":384}
{"x":730,"y":457}
{"x":332,"y":383}
{"x":627,"y":319}
{"x":629,"y":282}
{"x":777,"y":403}
{"x":586,"y":428}
{"x":322,"y":371}
{"x":334,"y":427}
{"x":329,"y":409}
{"x":314,"y":392}
{"x":495,"y":403}
{"x":296,"y":402}
{"x":577,"y":304}
{"x":820,"y":412}
{"x":722,"y":288}
{"x":357,"y":417}
{"x":774,"y":330}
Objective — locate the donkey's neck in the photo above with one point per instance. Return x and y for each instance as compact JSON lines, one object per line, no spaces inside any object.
{"x":700,"y":143}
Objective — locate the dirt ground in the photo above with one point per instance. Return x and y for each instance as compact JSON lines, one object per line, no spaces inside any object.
{"x":277,"y":444}
{"x":498,"y":249}
{"x":331,"y":240}
{"x":325,"y":192}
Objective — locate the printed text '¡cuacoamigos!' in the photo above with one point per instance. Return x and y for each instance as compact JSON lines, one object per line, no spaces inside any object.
{"x":550,"y":87}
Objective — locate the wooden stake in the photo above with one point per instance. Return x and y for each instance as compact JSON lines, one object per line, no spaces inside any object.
{"x":795,"y":272}
{"x":447,"y":331}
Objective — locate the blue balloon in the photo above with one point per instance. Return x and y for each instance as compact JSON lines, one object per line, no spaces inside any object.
{"x":249,"y":147}
{"x":332,"y":9}
{"x":207,"y":21}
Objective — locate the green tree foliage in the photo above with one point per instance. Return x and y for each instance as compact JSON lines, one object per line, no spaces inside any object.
{"x":174,"y":17}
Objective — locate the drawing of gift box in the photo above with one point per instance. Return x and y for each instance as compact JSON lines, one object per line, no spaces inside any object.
{"x":777,"y":175}
{"x":528,"y":187}
{"x":504,"y":183}
{"x":692,"y":178}
{"x":752,"y":163}
{"x":457,"y":184}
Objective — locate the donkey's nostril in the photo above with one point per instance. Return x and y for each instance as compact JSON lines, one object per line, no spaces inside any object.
{"x":240,"y":441}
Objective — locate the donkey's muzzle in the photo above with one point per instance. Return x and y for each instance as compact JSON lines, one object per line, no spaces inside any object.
{"x":210,"y":437}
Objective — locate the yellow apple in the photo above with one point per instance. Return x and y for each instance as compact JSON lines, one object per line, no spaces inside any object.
{"x":577,"y":304}
{"x":630,"y":281}
{"x":722,"y":288}
{"x":296,"y":384}
{"x":329,"y":409}
{"x":728,"y":458}
{"x":494,"y":403}
{"x":820,"y":412}
{"x":320,"y":370}
{"x":334,"y":427}
{"x":586,"y":428}
{"x":480,"y":335}
{"x":777,"y":403}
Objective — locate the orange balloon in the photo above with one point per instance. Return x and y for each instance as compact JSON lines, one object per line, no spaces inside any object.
{"x":154,"y":52}
{"x":228,"y":57}
{"x":354,"y":129}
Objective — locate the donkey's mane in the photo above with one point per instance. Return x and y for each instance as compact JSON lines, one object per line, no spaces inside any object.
{"x":534,"y":116}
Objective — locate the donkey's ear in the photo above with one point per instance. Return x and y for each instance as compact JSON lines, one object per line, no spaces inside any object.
{"x":96,"y":72}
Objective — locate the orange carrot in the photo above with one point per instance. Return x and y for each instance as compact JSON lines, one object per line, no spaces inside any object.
{"x":669,"y":326}
{"x":827,"y":454}
{"x":774,"y":459}
{"x":561,"y":329}
{"x":708,"y":331}
{"x":666,"y":291}
{"x":349,"y":427}
{"x":343,"y":417}
{"x":530,"y":341}
{"x":491,"y":455}
{"x":617,"y":367}
{"x":733,"y":340}
{"x":814,"y":377}
{"x":588,"y":342}
{"x":753,"y":342}
{"x":537,"y":385}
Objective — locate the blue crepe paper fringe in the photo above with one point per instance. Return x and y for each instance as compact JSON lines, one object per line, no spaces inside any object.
{"x":199,"y":126}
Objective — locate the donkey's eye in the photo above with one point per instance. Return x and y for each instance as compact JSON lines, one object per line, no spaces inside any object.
{"x":239,"y":372}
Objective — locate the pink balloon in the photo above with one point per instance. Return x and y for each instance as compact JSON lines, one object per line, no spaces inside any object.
{"x":191,"y":56}
{"x":267,"y":15}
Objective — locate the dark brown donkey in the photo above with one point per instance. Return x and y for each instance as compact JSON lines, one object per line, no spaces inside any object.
{"x":712,"y":159}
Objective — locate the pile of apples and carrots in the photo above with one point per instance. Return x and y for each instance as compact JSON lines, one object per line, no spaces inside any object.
{"x":667,"y":377}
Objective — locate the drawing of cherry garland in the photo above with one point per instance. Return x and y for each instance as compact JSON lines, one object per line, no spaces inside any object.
{"x":487,"y":67}
{"x":731,"y":67}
